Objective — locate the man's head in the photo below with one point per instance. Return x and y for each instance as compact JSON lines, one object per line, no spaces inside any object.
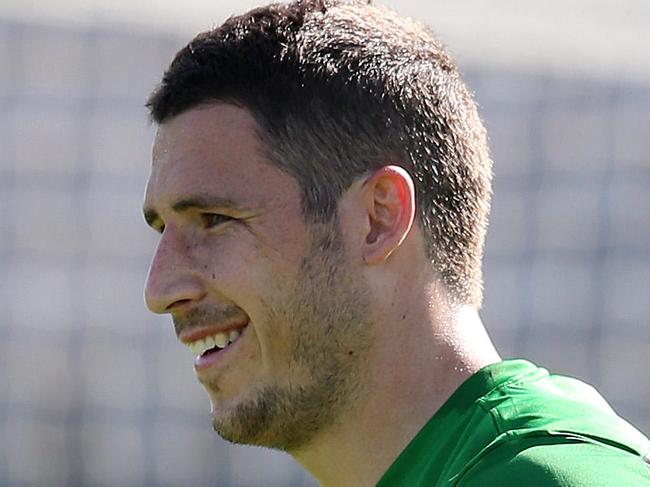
{"x":294,"y":145}
{"x":338,"y":90}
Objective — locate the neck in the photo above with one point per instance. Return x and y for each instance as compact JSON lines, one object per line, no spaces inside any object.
{"x":417,"y":362}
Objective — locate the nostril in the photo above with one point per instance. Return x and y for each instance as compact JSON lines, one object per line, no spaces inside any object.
{"x":177,"y":304}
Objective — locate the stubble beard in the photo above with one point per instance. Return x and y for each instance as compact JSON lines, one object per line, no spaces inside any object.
{"x":326,"y":313}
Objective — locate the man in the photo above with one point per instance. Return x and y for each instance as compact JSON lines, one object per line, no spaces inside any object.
{"x":321,"y":183}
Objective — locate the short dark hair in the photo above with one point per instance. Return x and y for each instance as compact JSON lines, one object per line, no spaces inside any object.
{"x":338,"y":89}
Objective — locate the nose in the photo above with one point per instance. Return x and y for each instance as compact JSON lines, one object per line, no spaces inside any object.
{"x":172,"y":283}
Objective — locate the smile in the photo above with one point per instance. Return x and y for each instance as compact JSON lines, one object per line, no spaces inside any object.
{"x":213,"y":343}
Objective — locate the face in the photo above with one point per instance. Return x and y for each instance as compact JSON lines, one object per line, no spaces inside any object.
{"x":268,"y":305}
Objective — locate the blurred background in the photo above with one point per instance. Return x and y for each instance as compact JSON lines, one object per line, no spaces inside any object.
{"x":95,"y":391}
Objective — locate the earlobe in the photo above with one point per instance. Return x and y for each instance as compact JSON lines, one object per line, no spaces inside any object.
{"x":390,"y":203}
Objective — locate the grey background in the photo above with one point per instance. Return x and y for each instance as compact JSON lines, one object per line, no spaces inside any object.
{"x":95,"y":391}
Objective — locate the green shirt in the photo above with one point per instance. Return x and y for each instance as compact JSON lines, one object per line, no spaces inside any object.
{"x":512,"y":424}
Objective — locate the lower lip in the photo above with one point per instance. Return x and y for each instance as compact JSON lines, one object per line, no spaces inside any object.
{"x":206,"y":361}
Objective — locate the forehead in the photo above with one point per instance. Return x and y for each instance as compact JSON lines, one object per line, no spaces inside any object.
{"x":213,"y":150}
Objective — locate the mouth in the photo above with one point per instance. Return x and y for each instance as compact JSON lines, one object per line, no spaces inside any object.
{"x":206,"y":349}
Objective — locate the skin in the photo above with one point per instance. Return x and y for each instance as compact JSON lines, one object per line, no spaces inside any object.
{"x":342,"y":339}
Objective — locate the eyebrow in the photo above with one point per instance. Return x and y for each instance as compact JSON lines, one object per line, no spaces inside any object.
{"x":198,"y":202}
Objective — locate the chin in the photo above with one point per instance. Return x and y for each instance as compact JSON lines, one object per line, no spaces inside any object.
{"x":264,"y":420}
{"x":225,"y":430}
{"x":234,"y":422}
{"x":234,"y":431}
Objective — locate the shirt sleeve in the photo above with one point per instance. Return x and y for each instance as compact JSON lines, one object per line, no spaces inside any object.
{"x":556,"y":465}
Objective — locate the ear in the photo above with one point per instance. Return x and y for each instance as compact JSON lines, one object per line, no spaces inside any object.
{"x":389,"y":198}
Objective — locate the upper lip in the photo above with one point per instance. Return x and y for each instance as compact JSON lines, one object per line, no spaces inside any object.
{"x":196,"y":333}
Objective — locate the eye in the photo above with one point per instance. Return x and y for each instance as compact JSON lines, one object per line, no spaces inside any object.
{"x":211,"y":220}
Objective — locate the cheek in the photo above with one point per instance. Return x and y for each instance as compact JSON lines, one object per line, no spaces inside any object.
{"x":222,"y":266}
{"x":232,"y":268}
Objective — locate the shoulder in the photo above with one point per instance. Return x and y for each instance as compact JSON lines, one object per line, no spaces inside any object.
{"x":556,"y":462}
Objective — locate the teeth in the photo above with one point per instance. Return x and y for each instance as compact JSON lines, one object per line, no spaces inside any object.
{"x":197,"y":347}
{"x":221,"y":340}
{"x":234,"y":335}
